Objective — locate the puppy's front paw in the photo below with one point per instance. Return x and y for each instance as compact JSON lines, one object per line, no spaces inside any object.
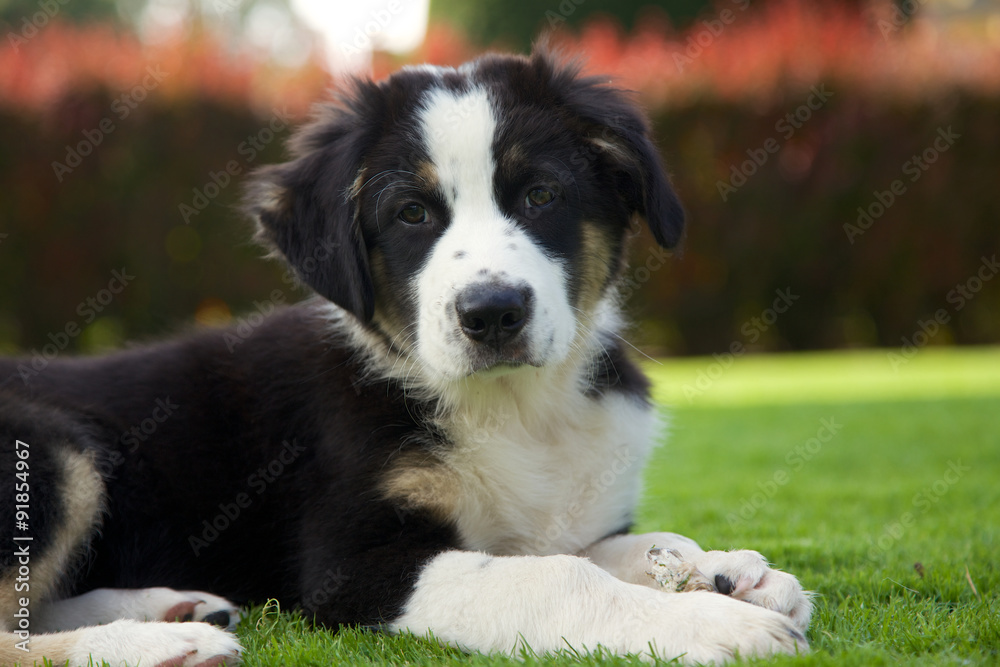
{"x":166,"y":604}
{"x":745,"y":575}
{"x":707,"y":628}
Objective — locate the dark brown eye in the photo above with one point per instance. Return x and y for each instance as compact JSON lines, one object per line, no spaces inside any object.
{"x":413,"y":214}
{"x":539,"y":197}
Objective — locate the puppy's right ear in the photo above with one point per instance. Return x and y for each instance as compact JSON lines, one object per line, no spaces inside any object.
{"x":306,"y":211}
{"x":620,"y":135}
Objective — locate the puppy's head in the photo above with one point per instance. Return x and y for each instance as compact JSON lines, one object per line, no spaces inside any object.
{"x":476,"y":217}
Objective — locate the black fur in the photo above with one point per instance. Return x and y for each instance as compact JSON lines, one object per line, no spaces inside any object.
{"x":319,"y":525}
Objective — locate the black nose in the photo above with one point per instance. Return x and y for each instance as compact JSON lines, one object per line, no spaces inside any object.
{"x":492,"y":314}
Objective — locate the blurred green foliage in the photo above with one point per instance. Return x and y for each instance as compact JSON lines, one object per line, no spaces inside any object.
{"x":14,"y":14}
{"x":515,"y":23}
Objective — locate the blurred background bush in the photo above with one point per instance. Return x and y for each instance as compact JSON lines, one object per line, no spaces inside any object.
{"x":841,"y":158}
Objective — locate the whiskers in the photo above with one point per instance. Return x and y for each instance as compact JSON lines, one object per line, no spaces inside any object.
{"x":400,"y":184}
{"x":613,"y":333}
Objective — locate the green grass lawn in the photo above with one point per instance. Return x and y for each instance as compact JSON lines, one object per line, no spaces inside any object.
{"x":905,"y":472}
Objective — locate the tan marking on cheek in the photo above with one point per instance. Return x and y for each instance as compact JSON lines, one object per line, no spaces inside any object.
{"x":420,"y":482}
{"x":376,"y":263}
{"x":388,"y":316}
{"x":595,"y":265}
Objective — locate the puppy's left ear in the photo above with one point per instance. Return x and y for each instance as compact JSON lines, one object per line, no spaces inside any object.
{"x":305,"y":208}
{"x":620,"y":135}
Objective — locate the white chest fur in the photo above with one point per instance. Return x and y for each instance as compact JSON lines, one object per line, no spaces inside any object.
{"x":546,"y":473}
{"x":531,"y":464}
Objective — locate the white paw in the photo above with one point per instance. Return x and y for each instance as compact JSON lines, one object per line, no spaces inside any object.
{"x":704,"y":627}
{"x":131,"y":643}
{"x":745,"y":575}
{"x":166,"y":604}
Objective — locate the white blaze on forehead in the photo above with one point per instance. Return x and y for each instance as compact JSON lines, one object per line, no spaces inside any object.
{"x":458,"y":132}
{"x":459,"y":128}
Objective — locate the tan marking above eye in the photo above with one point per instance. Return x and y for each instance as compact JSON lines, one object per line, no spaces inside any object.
{"x":428,"y":175}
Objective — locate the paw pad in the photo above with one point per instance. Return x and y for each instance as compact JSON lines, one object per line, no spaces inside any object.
{"x":182,"y":611}
{"x":219,"y":618}
{"x":723,"y":585}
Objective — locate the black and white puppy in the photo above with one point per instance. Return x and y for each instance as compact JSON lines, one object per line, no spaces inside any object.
{"x":447,"y":439}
